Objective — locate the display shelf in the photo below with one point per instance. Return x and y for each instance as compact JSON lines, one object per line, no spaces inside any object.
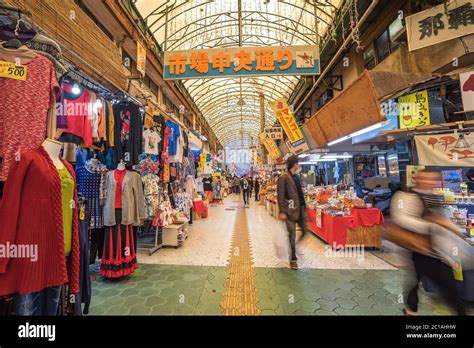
{"x":174,"y":235}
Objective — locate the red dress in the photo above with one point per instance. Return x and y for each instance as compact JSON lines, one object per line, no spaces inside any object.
{"x":119,"y":256}
{"x":78,"y":112}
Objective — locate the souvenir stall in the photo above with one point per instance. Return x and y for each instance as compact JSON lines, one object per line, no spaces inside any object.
{"x":340,"y":218}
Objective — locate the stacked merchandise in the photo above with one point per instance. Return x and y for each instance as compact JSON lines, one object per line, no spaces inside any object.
{"x":331,"y":201}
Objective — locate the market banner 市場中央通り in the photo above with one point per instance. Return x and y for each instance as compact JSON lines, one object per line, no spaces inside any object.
{"x":241,"y":61}
{"x":440,"y":150}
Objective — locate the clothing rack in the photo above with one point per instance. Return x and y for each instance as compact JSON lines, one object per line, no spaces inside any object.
{"x":121,"y":95}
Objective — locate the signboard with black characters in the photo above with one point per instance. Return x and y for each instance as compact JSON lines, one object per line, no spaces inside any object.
{"x":441,"y":23}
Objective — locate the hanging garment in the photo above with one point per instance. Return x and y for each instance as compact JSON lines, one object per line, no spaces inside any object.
{"x":77,"y":110}
{"x":110,"y":124}
{"x":160,"y":127}
{"x":91,"y":184}
{"x":173,"y":137}
{"x":128,"y":132}
{"x":31,"y":215}
{"x":67,"y":196}
{"x":85,"y":291}
{"x":24,"y":111}
{"x":132,"y":199}
{"x":152,"y":140}
{"x":47,"y":47}
{"x":39,"y":303}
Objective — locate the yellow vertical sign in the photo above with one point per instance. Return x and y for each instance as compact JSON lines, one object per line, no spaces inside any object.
{"x":288,"y":122}
{"x":271,"y":147}
{"x":141,"y":58}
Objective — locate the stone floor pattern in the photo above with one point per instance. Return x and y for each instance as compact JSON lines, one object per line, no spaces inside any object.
{"x":193,"y":280}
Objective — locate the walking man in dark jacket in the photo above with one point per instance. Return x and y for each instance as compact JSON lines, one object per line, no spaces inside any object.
{"x":245,"y":190}
{"x":292,"y":204}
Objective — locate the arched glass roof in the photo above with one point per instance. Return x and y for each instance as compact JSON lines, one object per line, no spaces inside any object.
{"x":194,"y":24}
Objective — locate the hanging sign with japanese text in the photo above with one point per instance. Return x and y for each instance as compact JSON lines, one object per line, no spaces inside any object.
{"x":288,"y":122}
{"x":467,"y":90}
{"x":275,"y":133}
{"x":441,"y":150}
{"x":440,"y":23}
{"x":141,"y":58}
{"x":271,"y":147}
{"x":242,"y":61}
{"x":414,"y":110}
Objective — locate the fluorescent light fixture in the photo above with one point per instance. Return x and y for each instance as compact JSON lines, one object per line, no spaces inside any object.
{"x":203,"y":138}
{"x":319,"y":160}
{"x":368,"y":129}
{"x":304,"y":155}
{"x":195,"y":148}
{"x":338,"y":156}
{"x":338,"y":140}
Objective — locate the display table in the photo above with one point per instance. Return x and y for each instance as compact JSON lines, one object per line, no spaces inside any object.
{"x":171,"y":234}
{"x":362,"y":227}
{"x":201,"y":209}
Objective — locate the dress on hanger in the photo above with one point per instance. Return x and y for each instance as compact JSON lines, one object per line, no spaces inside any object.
{"x":124,"y":209}
{"x":91,"y":184}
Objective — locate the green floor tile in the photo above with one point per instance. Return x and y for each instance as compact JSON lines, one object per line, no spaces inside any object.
{"x":328,"y":305}
{"x":140,"y":310}
{"x":346,"y":304}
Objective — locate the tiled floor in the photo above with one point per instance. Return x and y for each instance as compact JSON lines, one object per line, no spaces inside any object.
{"x":192,"y":280}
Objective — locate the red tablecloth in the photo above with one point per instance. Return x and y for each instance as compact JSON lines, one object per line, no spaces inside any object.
{"x":334,"y":228}
{"x":200,"y":208}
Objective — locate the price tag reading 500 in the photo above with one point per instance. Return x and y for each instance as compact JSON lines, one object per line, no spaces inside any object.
{"x":11,"y":71}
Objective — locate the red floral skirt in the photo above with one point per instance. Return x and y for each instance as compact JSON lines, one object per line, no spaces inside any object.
{"x":119,"y":255}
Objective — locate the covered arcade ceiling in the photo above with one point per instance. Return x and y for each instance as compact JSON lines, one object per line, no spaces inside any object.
{"x":191,"y":24}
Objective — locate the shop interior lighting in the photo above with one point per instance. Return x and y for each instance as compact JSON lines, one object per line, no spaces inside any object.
{"x":318,"y":160}
{"x":304,"y":155}
{"x":340,"y":140}
{"x":337,"y":156}
{"x":203,"y":138}
{"x":98,"y":104}
{"x":368,"y":129}
{"x":75,"y":89}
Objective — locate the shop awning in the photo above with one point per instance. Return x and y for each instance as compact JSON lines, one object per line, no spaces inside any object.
{"x":358,"y":106}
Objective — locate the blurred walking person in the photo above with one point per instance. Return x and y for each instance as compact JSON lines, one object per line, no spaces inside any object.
{"x":292,"y":204}
{"x":420,"y":226}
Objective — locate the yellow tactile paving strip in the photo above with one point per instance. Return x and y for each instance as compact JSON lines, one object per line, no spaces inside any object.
{"x":240,"y":293}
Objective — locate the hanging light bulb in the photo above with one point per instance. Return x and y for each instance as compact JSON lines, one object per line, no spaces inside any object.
{"x":75,"y":89}
{"x":98,"y":104}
